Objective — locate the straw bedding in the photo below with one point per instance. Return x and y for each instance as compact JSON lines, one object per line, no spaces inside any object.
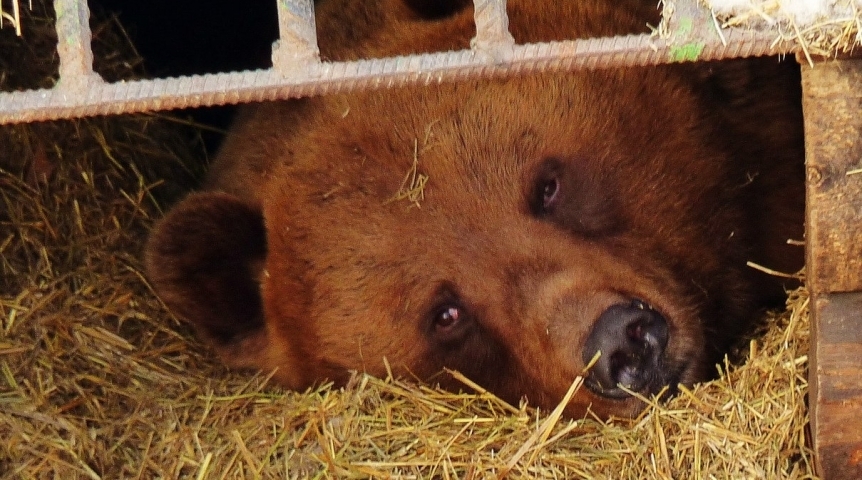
{"x":824,"y":28}
{"x":98,"y":380}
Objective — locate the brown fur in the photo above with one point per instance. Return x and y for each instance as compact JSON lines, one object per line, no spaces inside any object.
{"x":670,"y":179}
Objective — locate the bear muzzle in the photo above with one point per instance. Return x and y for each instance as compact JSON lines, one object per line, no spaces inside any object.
{"x":631,"y":339}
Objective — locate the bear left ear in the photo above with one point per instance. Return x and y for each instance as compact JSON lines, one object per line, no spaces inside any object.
{"x":205,"y":259}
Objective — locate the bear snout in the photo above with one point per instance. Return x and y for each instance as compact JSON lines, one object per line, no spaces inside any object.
{"x":631,"y":338}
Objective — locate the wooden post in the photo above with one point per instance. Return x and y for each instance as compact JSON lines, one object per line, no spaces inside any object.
{"x":832,"y":101}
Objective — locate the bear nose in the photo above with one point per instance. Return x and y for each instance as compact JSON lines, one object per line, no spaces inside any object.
{"x":631,"y":338}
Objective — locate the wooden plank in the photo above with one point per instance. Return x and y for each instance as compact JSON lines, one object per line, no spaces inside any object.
{"x":835,"y":395}
{"x":832,"y":100}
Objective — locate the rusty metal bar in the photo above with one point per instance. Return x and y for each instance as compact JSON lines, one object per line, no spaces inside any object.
{"x":73,"y":47}
{"x":297,"y":43}
{"x":688,"y":36}
{"x":324,"y":78}
{"x":492,"y":26}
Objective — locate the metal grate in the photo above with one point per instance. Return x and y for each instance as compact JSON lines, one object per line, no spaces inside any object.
{"x":687,"y":33}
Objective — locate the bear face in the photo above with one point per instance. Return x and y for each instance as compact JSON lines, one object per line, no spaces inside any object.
{"x":508,"y":229}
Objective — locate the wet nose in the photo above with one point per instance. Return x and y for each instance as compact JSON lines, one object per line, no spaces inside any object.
{"x":631,"y":338}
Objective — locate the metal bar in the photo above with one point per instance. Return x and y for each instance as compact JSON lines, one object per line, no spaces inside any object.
{"x":73,"y":47}
{"x":297,"y":43}
{"x":324,"y":78}
{"x":492,"y":26}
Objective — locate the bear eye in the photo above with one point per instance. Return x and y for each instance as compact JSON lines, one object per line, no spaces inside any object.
{"x":550,"y":189}
{"x":448,"y":317}
{"x":448,"y":322}
{"x":546,"y":194}
{"x":451,"y":324}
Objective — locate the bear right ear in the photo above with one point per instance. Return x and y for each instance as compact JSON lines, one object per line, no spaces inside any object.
{"x":205,"y":260}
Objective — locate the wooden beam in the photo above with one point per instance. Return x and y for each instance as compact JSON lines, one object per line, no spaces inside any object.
{"x":835,"y":395}
{"x":832,"y":101}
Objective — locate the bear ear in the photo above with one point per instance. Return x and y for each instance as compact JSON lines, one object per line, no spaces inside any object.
{"x":205,"y":260}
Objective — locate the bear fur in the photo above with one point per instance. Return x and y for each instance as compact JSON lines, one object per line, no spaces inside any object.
{"x":551,"y":203}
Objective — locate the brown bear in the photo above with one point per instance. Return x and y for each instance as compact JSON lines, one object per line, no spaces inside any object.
{"x":509,"y":229}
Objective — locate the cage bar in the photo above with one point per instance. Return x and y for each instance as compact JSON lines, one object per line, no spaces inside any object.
{"x":297,"y":43}
{"x":74,"y":47}
{"x":298,"y":72}
{"x":492,"y":27}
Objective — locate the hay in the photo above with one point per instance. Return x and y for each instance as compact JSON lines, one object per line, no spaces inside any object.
{"x":824,"y":29}
{"x":12,"y":17}
{"x":97,"y":380}
{"x":412,"y":187}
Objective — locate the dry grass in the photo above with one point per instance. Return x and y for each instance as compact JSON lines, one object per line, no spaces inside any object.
{"x":412,"y":187}
{"x":12,"y":18}
{"x":825,"y":37}
{"x":97,"y":380}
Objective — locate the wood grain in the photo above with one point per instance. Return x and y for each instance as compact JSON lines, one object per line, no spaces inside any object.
{"x":832,"y":101}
